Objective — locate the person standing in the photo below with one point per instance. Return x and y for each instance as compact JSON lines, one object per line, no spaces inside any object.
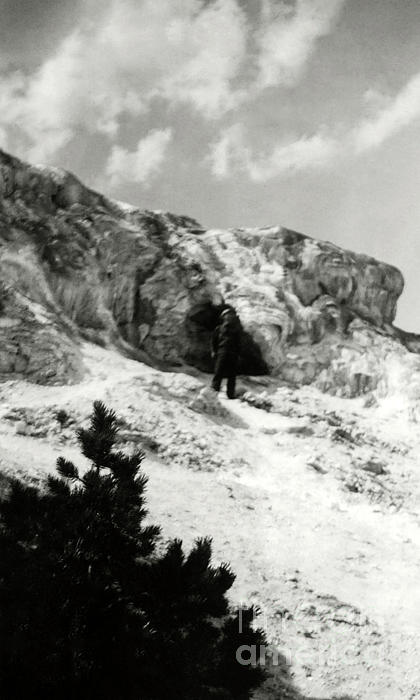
{"x":226,"y":346}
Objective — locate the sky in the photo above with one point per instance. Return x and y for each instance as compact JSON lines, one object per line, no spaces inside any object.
{"x":304,"y":113}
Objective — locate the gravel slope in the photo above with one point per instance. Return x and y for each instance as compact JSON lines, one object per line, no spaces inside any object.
{"x":315,"y":502}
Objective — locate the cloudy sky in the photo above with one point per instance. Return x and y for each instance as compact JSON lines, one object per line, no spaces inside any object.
{"x":237,"y":112}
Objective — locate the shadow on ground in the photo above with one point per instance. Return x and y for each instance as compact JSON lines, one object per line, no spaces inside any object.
{"x":280,"y":686}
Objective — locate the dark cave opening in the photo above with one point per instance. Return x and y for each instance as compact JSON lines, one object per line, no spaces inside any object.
{"x":200,"y":323}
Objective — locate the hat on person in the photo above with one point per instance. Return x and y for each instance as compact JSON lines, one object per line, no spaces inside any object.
{"x":228,"y":310}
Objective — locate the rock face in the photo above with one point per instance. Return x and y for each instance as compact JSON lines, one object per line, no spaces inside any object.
{"x":74,"y":264}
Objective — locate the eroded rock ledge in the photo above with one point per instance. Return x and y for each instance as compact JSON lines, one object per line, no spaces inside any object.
{"x":73,"y":263}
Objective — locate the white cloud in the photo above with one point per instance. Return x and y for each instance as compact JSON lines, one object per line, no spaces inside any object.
{"x":391,"y":117}
{"x":11,"y":87}
{"x":183,"y":51}
{"x":231,"y":154}
{"x":3,"y":139}
{"x":306,"y":153}
{"x":288,"y":37}
{"x":142,"y":164}
{"x":35,"y":132}
{"x":128,"y":53}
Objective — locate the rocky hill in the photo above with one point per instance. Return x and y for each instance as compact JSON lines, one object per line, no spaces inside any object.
{"x":74,"y":265}
{"x":309,"y":484}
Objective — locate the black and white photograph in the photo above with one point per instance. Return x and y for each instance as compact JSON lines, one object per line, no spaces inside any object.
{"x":209,"y":349}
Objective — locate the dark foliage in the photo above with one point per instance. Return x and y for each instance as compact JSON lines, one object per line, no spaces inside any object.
{"x":62,"y":417}
{"x":90,"y":607}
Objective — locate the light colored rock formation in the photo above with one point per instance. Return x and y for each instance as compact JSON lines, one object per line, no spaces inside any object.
{"x":73,"y":262}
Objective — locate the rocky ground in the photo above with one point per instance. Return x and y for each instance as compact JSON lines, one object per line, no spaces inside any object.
{"x":314,"y":499}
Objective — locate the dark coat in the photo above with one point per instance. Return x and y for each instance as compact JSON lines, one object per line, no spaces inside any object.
{"x":226,"y":345}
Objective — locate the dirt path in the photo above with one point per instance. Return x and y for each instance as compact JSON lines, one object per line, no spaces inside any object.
{"x":328,"y":550}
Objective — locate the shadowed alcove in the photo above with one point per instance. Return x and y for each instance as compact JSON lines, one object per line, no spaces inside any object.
{"x":200,"y":323}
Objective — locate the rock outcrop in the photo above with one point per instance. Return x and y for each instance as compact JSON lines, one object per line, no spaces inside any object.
{"x":74,"y":264}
